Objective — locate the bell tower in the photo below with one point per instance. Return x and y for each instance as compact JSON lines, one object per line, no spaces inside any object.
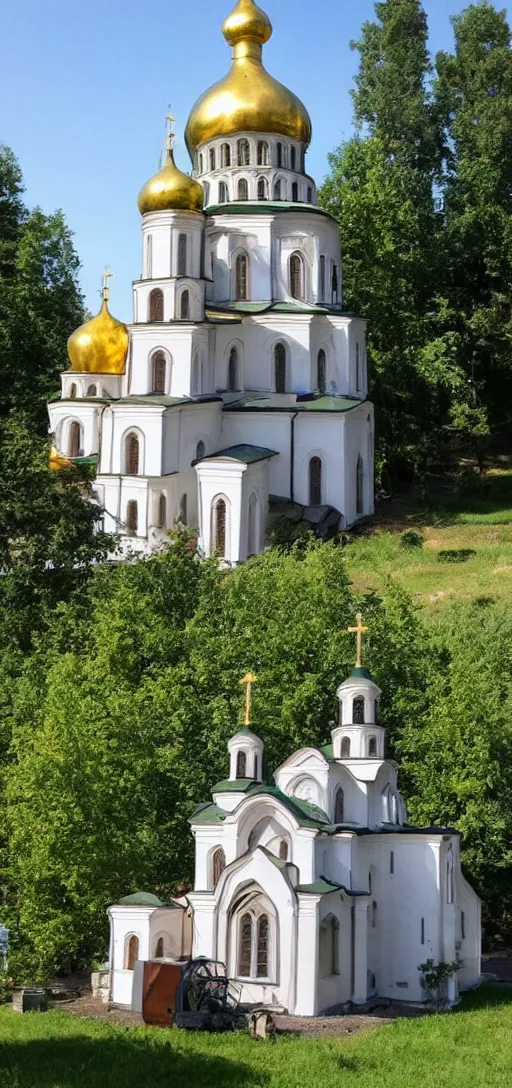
{"x":358,"y":734}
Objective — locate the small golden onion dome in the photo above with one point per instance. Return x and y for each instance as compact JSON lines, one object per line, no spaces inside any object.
{"x":171,"y":190}
{"x":58,"y":460}
{"x":248,"y":99}
{"x":101,"y":345}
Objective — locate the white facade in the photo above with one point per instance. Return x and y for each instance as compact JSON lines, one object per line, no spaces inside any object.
{"x":320,"y":892}
{"x":238,"y":339}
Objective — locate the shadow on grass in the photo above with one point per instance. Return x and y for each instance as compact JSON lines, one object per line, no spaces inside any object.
{"x":131,"y":1062}
{"x":489,"y":995}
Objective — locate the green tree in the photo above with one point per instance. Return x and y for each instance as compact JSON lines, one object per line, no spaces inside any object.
{"x":474,"y":94}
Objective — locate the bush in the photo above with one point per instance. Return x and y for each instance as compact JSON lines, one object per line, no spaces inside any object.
{"x":411,"y":539}
{"x":455,"y":555}
{"x":471,"y":484}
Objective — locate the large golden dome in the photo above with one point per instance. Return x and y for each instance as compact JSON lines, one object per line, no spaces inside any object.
{"x":248,"y":99}
{"x":101,"y":345}
{"x":171,"y":190}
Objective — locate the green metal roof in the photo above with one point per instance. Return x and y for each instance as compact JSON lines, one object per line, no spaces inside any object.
{"x":238,"y":309}
{"x":361,"y":673}
{"x":264,"y":207}
{"x":150,"y":399}
{"x":243,"y":452}
{"x":144,"y":899}
{"x":328,"y":751}
{"x":272,"y":402}
{"x":323,"y":886}
{"x":307,"y":815}
{"x":92,"y":459}
{"x":207,"y":813}
{"x":235,"y":785}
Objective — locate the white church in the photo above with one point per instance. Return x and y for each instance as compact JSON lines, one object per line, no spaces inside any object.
{"x":241,"y":379}
{"x":313,"y":891}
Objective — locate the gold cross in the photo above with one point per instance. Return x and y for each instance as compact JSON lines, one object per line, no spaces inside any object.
{"x":169,"y":129}
{"x":107,"y":275}
{"x":249,"y":679}
{"x":359,"y":631}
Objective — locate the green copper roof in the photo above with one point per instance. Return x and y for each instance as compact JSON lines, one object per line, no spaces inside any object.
{"x":161,"y":401}
{"x":320,"y":887}
{"x":92,"y":459}
{"x":243,"y":452}
{"x":143,"y":899}
{"x":235,"y":785}
{"x":306,"y":815}
{"x":264,"y":207}
{"x":237,"y":309}
{"x":207,"y":813}
{"x":361,"y":673}
{"x":273,"y":402}
{"x":328,"y":751}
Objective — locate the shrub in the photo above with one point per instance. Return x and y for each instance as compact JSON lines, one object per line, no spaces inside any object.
{"x":455,"y":555}
{"x":411,"y":539}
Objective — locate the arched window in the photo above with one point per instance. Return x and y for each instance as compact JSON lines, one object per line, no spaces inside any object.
{"x":329,"y":947}
{"x":241,"y":278}
{"x":131,"y":454}
{"x":159,"y":950}
{"x":243,"y":189}
{"x":201,"y":162}
{"x":219,"y":528}
{"x":218,"y":865}
{"x":293,"y":158}
{"x":243,"y":153}
{"x":277,"y":189}
{"x":183,"y":509}
{"x":197,"y":376}
{"x":321,"y":370}
{"x":156,"y":305}
{"x":252,"y":543}
{"x":279,"y":154}
{"x":339,"y":806}
{"x":223,"y":193}
{"x":310,"y":195}
{"x":345,"y":748}
{"x":359,"y":485}
{"x":132,"y":517}
{"x":280,"y":368}
{"x":74,"y":440}
{"x":372,"y":747}
{"x":262,"y":189}
{"x":262,"y":948}
{"x":241,"y":765}
{"x":149,"y":256}
{"x":158,"y":372}
{"x":72,"y":391}
{"x":185,"y":306}
{"x":245,"y":946}
{"x":131,"y":952}
{"x":182,"y":255}
{"x":233,"y":371}
{"x":283,"y":850}
{"x":296,"y":276}
{"x":315,"y":482}
{"x":92,"y":391}
{"x":200,"y":451}
{"x":322,"y":277}
{"x":295,"y":192}
{"x":212,"y":158}
{"x":225,"y":155}
{"x":358,"y":710}
{"x":162,"y":512}
{"x":206,"y":191}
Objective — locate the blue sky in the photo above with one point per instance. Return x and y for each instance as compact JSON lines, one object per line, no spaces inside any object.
{"x":84,"y":90}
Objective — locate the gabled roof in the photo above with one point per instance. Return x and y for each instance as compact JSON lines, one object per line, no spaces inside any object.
{"x":307,"y":815}
{"x":273,"y":402}
{"x":243,"y":452}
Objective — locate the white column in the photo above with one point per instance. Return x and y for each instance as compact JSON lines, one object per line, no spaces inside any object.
{"x":204,"y":933}
{"x":307,"y":956}
{"x":360,"y":993}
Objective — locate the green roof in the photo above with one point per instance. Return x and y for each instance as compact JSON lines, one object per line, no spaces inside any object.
{"x":244,"y":452}
{"x":237,"y":309}
{"x":143,"y":899}
{"x":235,"y":785}
{"x":92,"y":459}
{"x":361,"y":673}
{"x":328,"y":751}
{"x":162,"y":401}
{"x":273,"y":402}
{"x":207,"y":813}
{"x":264,"y":207}
{"x":323,"y":886}
{"x":307,"y":815}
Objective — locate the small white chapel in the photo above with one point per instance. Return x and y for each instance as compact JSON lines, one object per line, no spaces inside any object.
{"x":241,"y":379}
{"x":313,"y":891}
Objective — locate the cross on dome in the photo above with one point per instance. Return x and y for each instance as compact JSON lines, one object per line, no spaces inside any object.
{"x":359,"y":631}
{"x":249,"y":679}
{"x":105,"y":289}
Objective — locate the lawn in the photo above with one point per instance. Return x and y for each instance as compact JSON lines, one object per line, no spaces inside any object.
{"x":469,"y":1047}
{"x":448,"y":523}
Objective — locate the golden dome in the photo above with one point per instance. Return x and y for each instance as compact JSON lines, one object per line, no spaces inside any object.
{"x":58,"y":460}
{"x":248,"y":99}
{"x":101,"y":345}
{"x":171,"y":190}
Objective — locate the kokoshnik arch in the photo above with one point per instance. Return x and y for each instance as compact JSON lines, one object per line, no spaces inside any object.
{"x":240,"y":378}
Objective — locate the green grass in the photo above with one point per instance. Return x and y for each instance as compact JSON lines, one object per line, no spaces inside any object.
{"x":447,"y":522}
{"x":470,"y":1047}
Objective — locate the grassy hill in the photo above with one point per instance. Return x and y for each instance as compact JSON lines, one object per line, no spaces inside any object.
{"x":467,"y":544}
